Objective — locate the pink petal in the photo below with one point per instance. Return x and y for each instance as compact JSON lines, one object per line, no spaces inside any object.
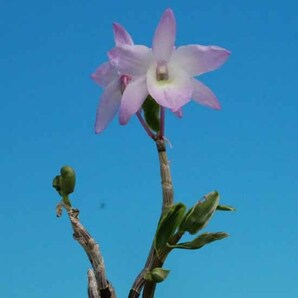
{"x":105,"y":74}
{"x":133,"y":97}
{"x":204,"y":96}
{"x":133,"y":60}
{"x":197,"y":59}
{"x":164,"y":37}
{"x":172,"y":93}
{"x":121,"y":36}
{"x":108,"y":105}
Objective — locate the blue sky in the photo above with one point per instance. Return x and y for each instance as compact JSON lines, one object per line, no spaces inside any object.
{"x":247,"y":151}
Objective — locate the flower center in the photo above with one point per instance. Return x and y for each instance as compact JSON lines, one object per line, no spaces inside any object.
{"x":162,"y":72}
{"x":124,"y":80}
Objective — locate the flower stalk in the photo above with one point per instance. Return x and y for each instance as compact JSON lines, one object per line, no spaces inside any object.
{"x":153,"y":260}
{"x":145,"y":126}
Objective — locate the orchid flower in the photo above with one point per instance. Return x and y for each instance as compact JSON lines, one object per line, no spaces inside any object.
{"x":108,"y":77}
{"x":166,"y":72}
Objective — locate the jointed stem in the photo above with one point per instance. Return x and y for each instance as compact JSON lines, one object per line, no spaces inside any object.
{"x":168,"y":200}
{"x":98,"y":285}
{"x":165,"y":173}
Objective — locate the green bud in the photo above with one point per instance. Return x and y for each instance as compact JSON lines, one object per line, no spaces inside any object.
{"x":151,"y":113}
{"x":65,"y":183}
{"x":168,"y":225}
{"x":199,"y":215}
{"x":201,"y":240}
{"x":157,"y":275}
{"x":225,"y":208}
{"x":68,"y":179}
{"x":57,"y":184}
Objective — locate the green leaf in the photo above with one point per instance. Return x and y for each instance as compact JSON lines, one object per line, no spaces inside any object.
{"x":151,"y":113}
{"x":157,"y":275}
{"x":168,"y":225}
{"x":201,"y":240}
{"x":199,"y":215}
{"x":225,"y":208}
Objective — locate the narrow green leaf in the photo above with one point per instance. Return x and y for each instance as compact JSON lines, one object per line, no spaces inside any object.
{"x":168,"y":225}
{"x":182,"y":224}
{"x":199,"y":215}
{"x":151,"y":113}
{"x":225,"y":208}
{"x":201,"y":240}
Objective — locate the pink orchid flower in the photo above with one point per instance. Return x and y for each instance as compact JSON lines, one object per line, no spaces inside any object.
{"x":166,"y":72}
{"x":108,"y":77}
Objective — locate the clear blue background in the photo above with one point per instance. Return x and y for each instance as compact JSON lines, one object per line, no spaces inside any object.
{"x":247,"y":151}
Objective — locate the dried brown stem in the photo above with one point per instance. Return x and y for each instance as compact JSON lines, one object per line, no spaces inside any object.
{"x":92,"y":285}
{"x":104,"y":288}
